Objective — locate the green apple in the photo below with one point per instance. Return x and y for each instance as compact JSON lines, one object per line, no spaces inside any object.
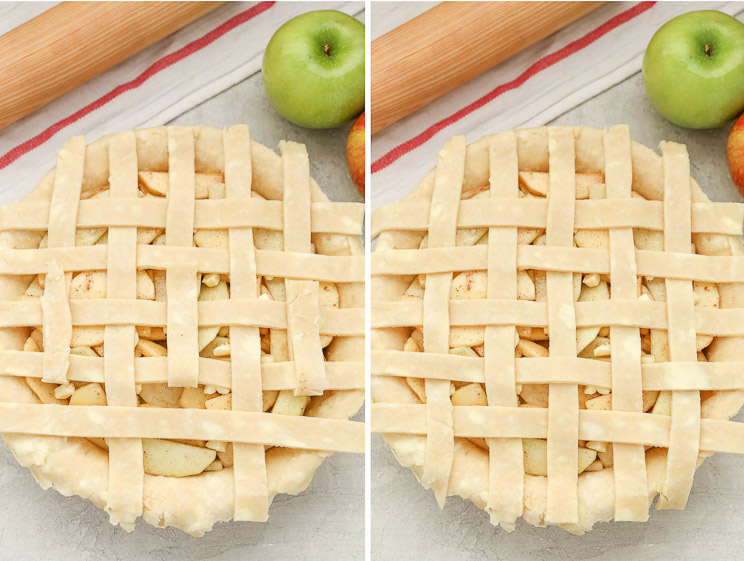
{"x":693,"y":69}
{"x":313,"y":69}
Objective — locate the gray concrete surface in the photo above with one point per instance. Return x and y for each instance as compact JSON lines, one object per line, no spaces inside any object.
{"x":406,"y":518}
{"x":324,"y":522}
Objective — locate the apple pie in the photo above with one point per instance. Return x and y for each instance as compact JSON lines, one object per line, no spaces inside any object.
{"x":558,"y":326}
{"x":181,"y":325}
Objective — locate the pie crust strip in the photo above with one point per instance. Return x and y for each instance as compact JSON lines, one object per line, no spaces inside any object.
{"x":440,"y":443}
{"x":181,"y":278}
{"x":124,"y":501}
{"x":330,"y":268}
{"x":250,"y":427}
{"x":249,"y":460}
{"x":708,"y":218}
{"x":563,"y":399}
{"x":506,"y":463}
{"x":62,"y":219}
{"x":721,"y":269}
{"x":631,"y":486}
{"x":627,"y":313}
{"x":508,"y":422}
{"x":341,"y":375}
{"x":668,"y":376}
{"x":326,"y":217}
{"x":262,"y":313}
{"x":302,"y":296}
{"x":56,"y":325}
{"x":684,"y":437}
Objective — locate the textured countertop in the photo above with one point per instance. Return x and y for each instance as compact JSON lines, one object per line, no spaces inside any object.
{"x":324,"y":522}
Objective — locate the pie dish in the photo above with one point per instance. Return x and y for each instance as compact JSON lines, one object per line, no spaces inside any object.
{"x":227,"y":292}
{"x":558,"y":326}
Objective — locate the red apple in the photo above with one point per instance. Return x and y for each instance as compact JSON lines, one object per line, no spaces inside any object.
{"x":735,"y":153}
{"x":355,"y":153}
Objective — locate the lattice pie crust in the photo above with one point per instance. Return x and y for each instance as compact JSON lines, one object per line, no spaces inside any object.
{"x":558,"y":326}
{"x":181,"y":325}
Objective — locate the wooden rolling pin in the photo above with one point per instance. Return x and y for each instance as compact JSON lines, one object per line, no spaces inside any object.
{"x":73,"y":42}
{"x":453,"y":42}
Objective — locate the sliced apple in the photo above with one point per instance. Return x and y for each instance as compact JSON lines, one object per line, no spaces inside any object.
{"x":466,"y":336}
{"x":215,"y":239}
{"x":88,"y":284}
{"x":157,"y":183}
{"x":469,"y":285}
{"x":174,"y":459}
{"x":649,"y":240}
{"x":268,"y":239}
{"x":537,"y":183}
{"x":470,"y":394}
{"x":226,"y":457}
{"x":220,"y":403}
{"x":90,"y":336}
{"x":279,"y":344}
{"x":663,"y":405}
{"x":89,"y":394}
{"x":45,"y":391}
{"x":145,"y":286}
{"x":289,"y":404}
{"x":536,"y":457}
{"x":151,"y":349}
{"x":535,"y":394}
{"x":161,"y":395}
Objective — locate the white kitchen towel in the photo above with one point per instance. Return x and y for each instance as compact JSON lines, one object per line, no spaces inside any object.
{"x":149,"y":89}
{"x":529,"y":89}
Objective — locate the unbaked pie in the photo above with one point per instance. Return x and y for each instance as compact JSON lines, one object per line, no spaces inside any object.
{"x":558,"y":326}
{"x":181,"y":325}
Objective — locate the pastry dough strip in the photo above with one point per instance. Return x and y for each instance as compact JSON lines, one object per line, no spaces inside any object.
{"x":249,"y":460}
{"x":710,"y":218}
{"x":631,"y":486}
{"x":652,"y":315}
{"x":62,"y":221}
{"x":250,"y":427}
{"x":124,"y":501}
{"x":341,"y":375}
{"x":563,"y":259}
{"x":509,"y":422}
{"x":505,"y":456}
{"x":302,"y":296}
{"x":56,"y":321}
{"x":556,"y":370}
{"x":181,"y":278}
{"x":343,"y":269}
{"x":263,"y":313}
{"x":684,"y":434}
{"x":563,"y":399}
{"x":440,"y":443}
{"x":210,"y":214}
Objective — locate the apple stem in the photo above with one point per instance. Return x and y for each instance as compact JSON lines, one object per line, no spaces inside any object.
{"x":327,"y":49}
{"x":707,"y":49}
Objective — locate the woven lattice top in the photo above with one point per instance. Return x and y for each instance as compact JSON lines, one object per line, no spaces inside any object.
{"x":260,"y":351}
{"x":574,"y":301}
